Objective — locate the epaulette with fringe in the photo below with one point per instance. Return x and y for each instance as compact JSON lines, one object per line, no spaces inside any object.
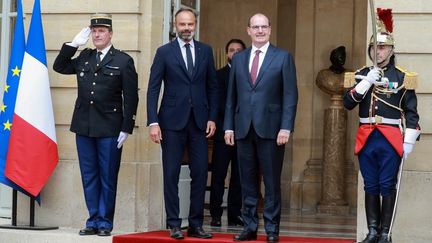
{"x":410,"y":79}
{"x":349,"y":78}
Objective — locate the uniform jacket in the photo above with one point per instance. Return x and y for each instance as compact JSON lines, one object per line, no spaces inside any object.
{"x":182,"y":93}
{"x":271,"y":104}
{"x":404,"y":99}
{"x":107,"y":94}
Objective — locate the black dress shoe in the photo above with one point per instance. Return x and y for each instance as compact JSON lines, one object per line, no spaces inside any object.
{"x":88,"y":231}
{"x":198,"y":232}
{"x":272,"y":237}
{"x":176,"y":233}
{"x":246,"y":235}
{"x":216,"y":222}
{"x":104,"y":232}
{"x":237,"y":221}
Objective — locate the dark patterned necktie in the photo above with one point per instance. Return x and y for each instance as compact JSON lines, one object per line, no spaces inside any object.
{"x":98,"y":57}
{"x":189,"y":60}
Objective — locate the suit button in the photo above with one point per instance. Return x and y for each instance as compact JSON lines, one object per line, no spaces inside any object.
{"x":94,"y":83}
{"x":92,"y":92}
{"x":115,"y":109}
{"x":95,"y":74}
{"x":91,"y":102}
{"x":111,"y":74}
{"x":376,"y":107}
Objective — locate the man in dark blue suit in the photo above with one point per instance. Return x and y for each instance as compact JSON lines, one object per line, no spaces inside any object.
{"x":260,"y":112}
{"x":186,"y":118}
{"x":223,"y":154}
{"x":104,"y":115}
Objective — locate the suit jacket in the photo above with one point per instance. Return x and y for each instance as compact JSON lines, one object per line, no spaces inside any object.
{"x":223,"y":78}
{"x":107,"y":94}
{"x":271,"y":104}
{"x":182,"y":93}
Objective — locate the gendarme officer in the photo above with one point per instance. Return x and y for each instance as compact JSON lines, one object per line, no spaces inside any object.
{"x":104,"y":115}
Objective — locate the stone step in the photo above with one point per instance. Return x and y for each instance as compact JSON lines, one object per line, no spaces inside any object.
{"x":62,"y":235}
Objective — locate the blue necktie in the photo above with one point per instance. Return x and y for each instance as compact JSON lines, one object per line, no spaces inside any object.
{"x":189,"y":60}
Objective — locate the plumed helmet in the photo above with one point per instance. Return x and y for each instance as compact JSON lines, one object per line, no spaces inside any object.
{"x":384,"y":28}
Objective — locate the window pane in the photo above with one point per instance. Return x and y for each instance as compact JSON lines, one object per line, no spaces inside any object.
{"x":13,"y":6}
{"x":189,"y":3}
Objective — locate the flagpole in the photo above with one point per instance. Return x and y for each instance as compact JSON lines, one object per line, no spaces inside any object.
{"x":14,"y":207}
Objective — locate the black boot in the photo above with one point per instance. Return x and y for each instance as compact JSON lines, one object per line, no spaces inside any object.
{"x":386,"y":217}
{"x":372,"y":203}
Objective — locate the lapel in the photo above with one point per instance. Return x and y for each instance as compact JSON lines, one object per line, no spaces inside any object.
{"x":246,"y":57}
{"x":108,"y":57}
{"x":267,"y":60}
{"x":178,"y":54}
{"x":199,"y":56}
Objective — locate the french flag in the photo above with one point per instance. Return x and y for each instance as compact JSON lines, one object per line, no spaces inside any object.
{"x":33,"y":154}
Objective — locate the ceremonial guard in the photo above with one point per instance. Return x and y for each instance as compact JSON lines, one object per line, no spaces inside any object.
{"x":388,"y":127}
{"x":104,"y":115}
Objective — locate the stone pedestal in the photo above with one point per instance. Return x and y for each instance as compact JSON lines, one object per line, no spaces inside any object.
{"x":333,"y":166}
{"x":333,"y":183}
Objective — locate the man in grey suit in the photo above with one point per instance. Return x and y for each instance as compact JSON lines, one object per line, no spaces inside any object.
{"x":259,"y":116}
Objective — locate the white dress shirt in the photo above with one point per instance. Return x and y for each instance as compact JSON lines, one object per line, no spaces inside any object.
{"x":262,"y":54}
{"x":183,"y":50}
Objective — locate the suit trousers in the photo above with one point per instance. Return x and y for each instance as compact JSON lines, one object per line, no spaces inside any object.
{"x":257,"y":155}
{"x":173,"y":145}
{"x":221,"y":158}
{"x":99,"y":161}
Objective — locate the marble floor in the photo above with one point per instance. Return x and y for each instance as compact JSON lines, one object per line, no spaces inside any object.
{"x":305,"y":224}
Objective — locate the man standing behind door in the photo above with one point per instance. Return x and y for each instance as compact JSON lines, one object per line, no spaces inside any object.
{"x":259,"y":117}
{"x":103,"y":117}
{"x":186,"y":118}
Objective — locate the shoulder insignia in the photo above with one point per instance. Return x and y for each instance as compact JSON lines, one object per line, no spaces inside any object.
{"x":410,"y":79}
{"x":349,"y":79}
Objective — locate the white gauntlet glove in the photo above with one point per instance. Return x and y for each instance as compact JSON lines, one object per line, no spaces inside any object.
{"x":373,"y":77}
{"x":410,"y":138}
{"x":407,"y":149}
{"x":81,"y":38}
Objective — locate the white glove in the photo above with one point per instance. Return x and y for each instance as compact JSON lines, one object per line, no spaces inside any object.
{"x":121,"y":139}
{"x":81,"y":38}
{"x":373,"y":77}
{"x":407,"y":149}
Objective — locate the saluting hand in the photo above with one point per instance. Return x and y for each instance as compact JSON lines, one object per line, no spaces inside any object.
{"x":211,"y":128}
{"x":82,"y":37}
